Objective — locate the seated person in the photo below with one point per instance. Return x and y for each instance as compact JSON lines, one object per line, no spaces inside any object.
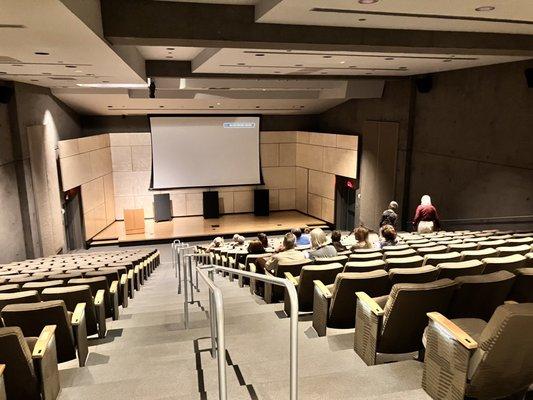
{"x":319,"y":245}
{"x":361,"y":239}
{"x":389,"y":236}
{"x":287,"y":255}
{"x":262,"y":237}
{"x":256,"y":247}
{"x":301,"y":240}
{"x":217,"y":242}
{"x":336,"y":241}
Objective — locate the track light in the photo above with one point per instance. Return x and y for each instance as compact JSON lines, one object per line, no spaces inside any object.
{"x":152,"y":89}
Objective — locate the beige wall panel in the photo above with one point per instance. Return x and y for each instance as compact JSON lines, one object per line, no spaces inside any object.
{"x":141,"y":158}
{"x":75,"y":170}
{"x":179,"y":204}
{"x":279,"y":177}
{"x":109,"y":194}
{"x":89,"y":143}
{"x":140,"y":139}
{"x":123,"y":203}
{"x":90,"y":223}
{"x":328,"y":210}
{"x":243,"y":201}
{"x":309,"y":156}
{"x":92,"y":194}
{"x":287,"y":199}
{"x":302,"y":137}
{"x":225,"y":202}
{"x":323,"y":139}
{"x":124,"y":183}
{"x":314,"y":205}
{"x":278,"y":137}
{"x":99,"y":218}
{"x":348,"y":142}
{"x":147,"y":204}
{"x":340,"y":162}
{"x":301,"y":189}
{"x":141,"y":183}
{"x":119,"y":139}
{"x":105,"y":140}
{"x":273,"y":199}
{"x":287,"y":154}
{"x":322,"y":184}
{"x":194,"y":204}
{"x":121,"y":158}
{"x":100,"y":162}
{"x":269,"y":154}
{"x":68,"y":148}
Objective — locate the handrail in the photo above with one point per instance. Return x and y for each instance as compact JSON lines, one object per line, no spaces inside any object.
{"x":293,"y":297}
{"x":178,"y":251}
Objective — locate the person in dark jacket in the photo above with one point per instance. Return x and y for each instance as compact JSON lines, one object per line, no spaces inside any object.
{"x":389,"y":216}
{"x":336,"y":241}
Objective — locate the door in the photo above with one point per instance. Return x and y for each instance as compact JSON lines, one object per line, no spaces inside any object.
{"x":73,"y":219}
{"x":345,"y":203}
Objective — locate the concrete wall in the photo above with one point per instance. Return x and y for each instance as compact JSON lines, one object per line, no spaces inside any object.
{"x":473,"y":147}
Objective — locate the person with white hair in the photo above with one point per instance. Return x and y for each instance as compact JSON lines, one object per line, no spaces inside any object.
{"x":217,"y":242}
{"x":426,"y":217}
{"x":320,"y":248}
{"x":389,"y":216}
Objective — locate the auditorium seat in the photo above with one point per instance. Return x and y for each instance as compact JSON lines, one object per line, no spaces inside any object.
{"x":94,"y":306}
{"x":328,"y":260}
{"x":467,"y":255}
{"x":459,"y":247}
{"x":100,"y":283}
{"x":71,"y":332}
{"x":510,"y":250}
{"x":21,"y":279}
{"x":395,"y":324}
{"x":364,"y":266}
{"x":522,"y":290}
{"x":31,"y":372}
{"x":400,"y":253}
{"x":250,"y":259}
{"x":423,"y":274}
{"x":509,"y":263}
{"x":10,"y":288}
{"x":479,"y":295}
{"x":366,"y":256}
{"x":529,"y":259}
{"x":40,"y":286}
{"x":469,"y":358}
{"x":274,"y":293}
{"x":27,"y":296}
{"x":490,"y":243}
{"x":115,"y":276}
{"x":437,"y":258}
{"x":452,"y":270}
{"x":304,"y":283}
{"x":362,"y":251}
{"x":334,"y":305}
{"x":404,"y":262}
{"x":432,"y":250}
{"x":417,"y":246}
{"x":398,"y":247}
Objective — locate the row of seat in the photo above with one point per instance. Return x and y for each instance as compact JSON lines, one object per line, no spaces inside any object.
{"x":48,"y":321}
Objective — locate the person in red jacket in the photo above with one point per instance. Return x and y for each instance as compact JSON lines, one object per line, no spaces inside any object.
{"x":426,"y":217}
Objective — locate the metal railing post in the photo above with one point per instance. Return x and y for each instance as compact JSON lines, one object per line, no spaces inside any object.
{"x":185,"y":300}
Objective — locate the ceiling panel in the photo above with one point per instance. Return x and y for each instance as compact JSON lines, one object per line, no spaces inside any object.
{"x":505,"y":16}
{"x":169,"y":53}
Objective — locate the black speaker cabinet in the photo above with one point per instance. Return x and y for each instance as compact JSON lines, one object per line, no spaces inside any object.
{"x":529,"y":77}
{"x":211,"y":205}
{"x":261,"y":202}
{"x":5,"y":94}
{"x":162,"y":207}
{"x":424,"y":84}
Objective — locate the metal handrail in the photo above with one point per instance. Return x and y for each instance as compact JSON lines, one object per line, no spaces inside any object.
{"x":293,"y":297}
{"x":178,"y":251}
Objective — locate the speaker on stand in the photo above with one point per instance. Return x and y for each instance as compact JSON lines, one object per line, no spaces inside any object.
{"x":211,"y":205}
{"x":261,"y":202}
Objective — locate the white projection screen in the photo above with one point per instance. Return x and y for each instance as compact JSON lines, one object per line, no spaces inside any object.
{"x":205,"y":151}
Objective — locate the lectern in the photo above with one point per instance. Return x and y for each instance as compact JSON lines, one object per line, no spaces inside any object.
{"x":134,"y":221}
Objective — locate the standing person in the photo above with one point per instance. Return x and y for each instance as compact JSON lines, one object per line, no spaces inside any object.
{"x":319,"y":245}
{"x":389,"y":216}
{"x":362,"y":240}
{"x":426,"y":216}
{"x":336,"y":241}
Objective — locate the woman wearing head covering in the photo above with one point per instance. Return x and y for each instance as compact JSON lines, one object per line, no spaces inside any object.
{"x":319,"y":245}
{"x":426,"y":217}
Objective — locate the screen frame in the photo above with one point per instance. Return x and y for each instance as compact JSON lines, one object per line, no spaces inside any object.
{"x":149,"y":116}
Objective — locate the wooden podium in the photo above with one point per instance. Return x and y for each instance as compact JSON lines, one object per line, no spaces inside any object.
{"x":134,"y":221}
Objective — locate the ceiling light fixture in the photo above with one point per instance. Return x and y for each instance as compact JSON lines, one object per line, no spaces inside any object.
{"x":362,"y":19}
{"x":326,"y":56}
{"x":170,"y":48}
{"x":389,"y":58}
{"x":298,"y":65}
{"x":343,"y":62}
{"x":447,"y":60}
{"x":107,"y":85}
{"x":368,"y":1}
{"x":70,"y":66}
{"x":41,"y":53}
{"x":486,"y":8}
{"x":259,"y":55}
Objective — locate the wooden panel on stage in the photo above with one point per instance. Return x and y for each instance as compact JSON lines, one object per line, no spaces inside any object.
{"x":133,"y":222}
{"x":196,"y":227}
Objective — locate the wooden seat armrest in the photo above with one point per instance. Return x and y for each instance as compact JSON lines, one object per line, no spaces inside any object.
{"x":323,"y":289}
{"x":290,"y":277}
{"x":242,"y":267}
{"x":47,"y":334}
{"x":130,"y":274}
{"x":78,"y":314}
{"x":369,"y":302}
{"x":457,"y":333}
{"x":99,"y":298}
{"x":510,"y":302}
{"x":114,"y":287}
{"x":123,"y":279}
{"x":253,"y":268}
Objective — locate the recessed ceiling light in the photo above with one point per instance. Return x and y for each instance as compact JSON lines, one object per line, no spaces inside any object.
{"x":211,"y":106}
{"x":264,"y":90}
{"x":259,"y":55}
{"x":34,"y":80}
{"x":367,"y":1}
{"x":46,"y":73}
{"x":218,"y":104}
{"x":362,"y":19}
{"x":41,"y":53}
{"x":326,"y":56}
{"x":16,"y":65}
{"x":79,"y":71}
{"x":343,"y":62}
{"x":277,"y":72}
{"x":368,"y":73}
{"x":447,"y":60}
{"x":161,"y":106}
{"x":298,"y":65}
{"x":70,"y":66}
{"x":257,"y":107}
{"x":486,"y":8}
{"x":105,"y":81}
{"x":324,"y":73}
{"x":170,"y":57}
{"x":389,"y":58}
{"x":170,"y":48}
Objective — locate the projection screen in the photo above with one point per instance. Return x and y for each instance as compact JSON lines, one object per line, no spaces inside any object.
{"x":205,"y":151}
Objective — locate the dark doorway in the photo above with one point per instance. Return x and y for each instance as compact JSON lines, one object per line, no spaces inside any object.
{"x":73,"y":219}
{"x":345,"y":203}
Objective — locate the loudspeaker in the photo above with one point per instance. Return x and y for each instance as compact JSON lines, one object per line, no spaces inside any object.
{"x":529,"y":77}
{"x":162,"y":208}
{"x":424,"y":84}
{"x":261,"y":202}
{"x":211,"y":205}
{"x":5,"y":94}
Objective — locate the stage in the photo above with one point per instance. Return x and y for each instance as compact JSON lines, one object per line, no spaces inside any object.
{"x":198,"y":228}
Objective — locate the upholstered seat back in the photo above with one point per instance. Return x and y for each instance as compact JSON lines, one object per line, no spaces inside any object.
{"x":508,"y":263}
{"x":467,"y":255}
{"x":522,"y":290}
{"x":33,"y":317}
{"x":329,"y":260}
{"x":402,"y":253}
{"x":478,"y":296}
{"x":40,"y":286}
{"x":20,"y":378}
{"x":10,"y":288}
{"x":324,"y":273}
{"x":28,"y":296}
{"x":365,"y":256}
{"x":405,"y":312}
{"x":364,"y":266}
{"x":342,"y":307}
{"x":405,"y":262}
{"x":452,"y":270}
{"x":423,"y":274}
{"x":294,"y":267}
{"x":437,"y":258}
{"x":502,"y":364}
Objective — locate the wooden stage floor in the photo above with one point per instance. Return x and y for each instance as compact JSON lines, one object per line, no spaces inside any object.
{"x":198,"y":227}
